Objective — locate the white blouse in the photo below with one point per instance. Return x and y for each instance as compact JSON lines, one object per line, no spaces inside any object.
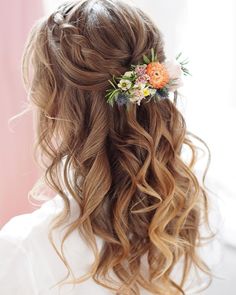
{"x":29,"y":264}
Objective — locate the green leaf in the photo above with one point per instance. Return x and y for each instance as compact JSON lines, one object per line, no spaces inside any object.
{"x":113,"y":85}
{"x":115,"y":92}
{"x":111,"y":102}
{"x":186,"y":72}
{"x":152,"y":54}
{"x":111,"y":94}
{"x":178,"y":56}
{"x":128,"y":78}
{"x":184,"y":62}
{"x":146,"y":59}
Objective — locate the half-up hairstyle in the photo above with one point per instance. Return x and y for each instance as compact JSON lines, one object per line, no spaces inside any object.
{"x":135,"y":191}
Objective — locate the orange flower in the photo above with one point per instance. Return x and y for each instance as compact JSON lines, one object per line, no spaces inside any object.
{"x":158,"y":74}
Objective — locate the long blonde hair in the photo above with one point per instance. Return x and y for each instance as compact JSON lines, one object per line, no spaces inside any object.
{"x":136,"y":192}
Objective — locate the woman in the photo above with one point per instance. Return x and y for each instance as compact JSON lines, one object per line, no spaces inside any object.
{"x":127,"y":214}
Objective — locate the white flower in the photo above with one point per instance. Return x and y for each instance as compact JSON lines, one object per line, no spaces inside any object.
{"x":124,"y":84}
{"x":139,"y":101}
{"x":136,"y":99}
{"x":128,"y":74}
{"x":152,"y":91}
{"x":175,"y":74}
{"x":139,"y":85}
{"x":136,"y":95}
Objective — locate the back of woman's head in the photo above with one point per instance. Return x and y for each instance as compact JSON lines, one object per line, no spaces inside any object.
{"x":134,"y":189}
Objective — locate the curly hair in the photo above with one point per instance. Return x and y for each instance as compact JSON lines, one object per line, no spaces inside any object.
{"x":136,"y":192}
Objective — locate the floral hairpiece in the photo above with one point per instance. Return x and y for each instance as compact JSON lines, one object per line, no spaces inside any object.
{"x":148,"y":80}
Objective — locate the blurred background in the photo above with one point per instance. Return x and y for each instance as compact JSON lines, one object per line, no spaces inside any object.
{"x":205,"y":31}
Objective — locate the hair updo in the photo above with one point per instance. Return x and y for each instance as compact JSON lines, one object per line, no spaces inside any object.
{"x":135,"y":191}
{"x":97,"y":39}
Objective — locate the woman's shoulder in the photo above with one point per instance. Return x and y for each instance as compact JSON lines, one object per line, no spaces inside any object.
{"x":22,"y":226}
{"x":21,"y":240}
{"x":24,"y":243}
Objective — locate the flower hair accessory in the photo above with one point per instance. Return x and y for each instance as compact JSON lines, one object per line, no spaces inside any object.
{"x":148,"y":80}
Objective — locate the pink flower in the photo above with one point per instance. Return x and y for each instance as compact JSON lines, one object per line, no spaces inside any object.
{"x":136,"y":95}
{"x":142,"y":79}
{"x":175,"y":73}
{"x":140,"y":69}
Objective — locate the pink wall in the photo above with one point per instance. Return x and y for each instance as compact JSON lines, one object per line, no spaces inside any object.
{"x":18,"y":172}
